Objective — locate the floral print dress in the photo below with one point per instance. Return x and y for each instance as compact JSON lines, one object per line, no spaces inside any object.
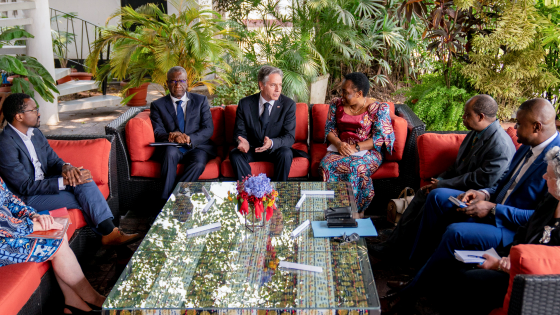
{"x":374,"y":123}
{"x":15,"y":224}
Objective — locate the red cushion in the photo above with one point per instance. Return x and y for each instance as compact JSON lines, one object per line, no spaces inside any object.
{"x":218,"y":121}
{"x":19,"y":281}
{"x":386,"y":170}
{"x":319,"y":113}
{"x":513,"y":134}
{"x":302,"y":122}
{"x":92,"y":154}
{"x":229,"y":119}
{"x":139,"y":134}
{"x":530,"y":259}
{"x":152,"y":169}
{"x":400,"y":128}
{"x":436,"y":153}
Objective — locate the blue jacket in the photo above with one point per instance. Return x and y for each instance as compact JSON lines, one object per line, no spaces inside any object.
{"x":526,"y":195}
{"x":18,"y":171}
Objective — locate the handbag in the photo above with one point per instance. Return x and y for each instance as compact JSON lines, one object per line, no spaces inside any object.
{"x":396,"y":207}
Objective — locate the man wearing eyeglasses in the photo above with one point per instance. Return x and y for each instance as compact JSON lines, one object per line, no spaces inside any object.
{"x":34,"y":172}
{"x":184,"y":118}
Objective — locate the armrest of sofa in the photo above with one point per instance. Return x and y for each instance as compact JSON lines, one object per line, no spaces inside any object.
{"x":117,"y":129}
{"x":407,"y":165}
{"x":534,"y":283}
{"x":112,"y":200}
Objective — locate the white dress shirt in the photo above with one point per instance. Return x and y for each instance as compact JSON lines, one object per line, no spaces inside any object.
{"x":39,"y":174}
{"x":185,"y":99}
{"x":262,"y":101}
{"x":537,"y":150}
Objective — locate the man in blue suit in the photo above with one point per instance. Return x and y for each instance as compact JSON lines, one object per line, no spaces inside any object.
{"x":183,"y":118}
{"x":35,"y":173}
{"x":493,"y":215}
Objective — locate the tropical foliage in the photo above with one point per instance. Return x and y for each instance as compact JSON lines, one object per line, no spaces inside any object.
{"x":38,"y":78}
{"x":147,"y":42}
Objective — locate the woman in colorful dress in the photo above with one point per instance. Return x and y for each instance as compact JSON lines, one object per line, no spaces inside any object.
{"x":18,"y":220}
{"x":356,"y":124}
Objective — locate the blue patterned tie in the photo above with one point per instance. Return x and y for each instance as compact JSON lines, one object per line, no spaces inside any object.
{"x":506,"y":187}
{"x":265,"y":116}
{"x":181,"y":120}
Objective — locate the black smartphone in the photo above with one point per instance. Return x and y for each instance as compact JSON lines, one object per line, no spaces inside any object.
{"x":339,"y":213}
{"x":339,"y":223}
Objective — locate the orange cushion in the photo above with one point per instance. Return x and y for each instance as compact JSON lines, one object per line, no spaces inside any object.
{"x":530,"y":259}
{"x":436,"y":153}
{"x":400,"y":128}
{"x":19,"y":281}
{"x":92,"y":154}
{"x":139,"y":134}
{"x":513,"y":134}
{"x":152,"y":169}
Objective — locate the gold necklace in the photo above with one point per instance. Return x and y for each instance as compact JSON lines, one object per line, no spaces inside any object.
{"x":355,"y":111}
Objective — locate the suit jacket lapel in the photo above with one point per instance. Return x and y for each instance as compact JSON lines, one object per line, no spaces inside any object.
{"x":537,"y":163}
{"x":18,"y":141}
{"x":255,"y":115}
{"x":462,"y":155}
{"x":189,"y":109}
{"x":171,"y":109}
{"x":492,"y":129}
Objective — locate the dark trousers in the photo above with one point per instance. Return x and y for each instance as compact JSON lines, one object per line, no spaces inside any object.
{"x":85,"y":197}
{"x":400,"y":243}
{"x":195,"y":162}
{"x":281,"y":158}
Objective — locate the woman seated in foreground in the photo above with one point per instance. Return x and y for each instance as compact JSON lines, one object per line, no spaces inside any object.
{"x":18,"y":220}
{"x":356,"y":123}
{"x":483,"y":289}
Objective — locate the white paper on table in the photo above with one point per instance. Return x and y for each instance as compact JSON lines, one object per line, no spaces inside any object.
{"x":208,"y":205}
{"x":466,"y":255}
{"x":308,"y":193}
{"x":289,"y":265}
{"x":212,"y":226}
{"x":300,"y":228}
{"x":332,"y":148}
{"x":300,"y":202}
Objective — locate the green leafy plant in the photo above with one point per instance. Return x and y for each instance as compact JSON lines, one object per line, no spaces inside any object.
{"x":147,"y":42}
{"x":61,"y":39}
{"x":40,"y":79}
{"x":438,"y":106}
{"x":243,"y":83}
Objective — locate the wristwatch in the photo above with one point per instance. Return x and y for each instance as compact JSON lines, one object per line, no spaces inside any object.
{"x":358,"y":147}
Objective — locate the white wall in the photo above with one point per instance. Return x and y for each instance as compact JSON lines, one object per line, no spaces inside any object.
{"x":95,"y":12}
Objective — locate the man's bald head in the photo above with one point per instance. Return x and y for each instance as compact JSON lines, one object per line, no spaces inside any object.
{"x":535,"y":121}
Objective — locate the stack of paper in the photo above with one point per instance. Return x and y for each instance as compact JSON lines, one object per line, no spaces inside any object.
{"x":474,"y":256}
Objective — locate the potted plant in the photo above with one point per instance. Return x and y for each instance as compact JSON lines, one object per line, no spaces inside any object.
{"x":147,"y":42}
{"x":29,"y":71}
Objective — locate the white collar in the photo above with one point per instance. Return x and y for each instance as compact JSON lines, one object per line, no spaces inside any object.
{"x":537,"y":150}
{"x":262,"y":101}
{"x":185,"y":99}
{"x":21,"y":134}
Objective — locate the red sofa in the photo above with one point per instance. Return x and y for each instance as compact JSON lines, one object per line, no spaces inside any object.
{"x":28,"y":288}
{"x":437,"y":152}
{"x":139,"y":176}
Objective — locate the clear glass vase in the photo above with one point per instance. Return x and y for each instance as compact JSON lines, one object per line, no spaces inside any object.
{"x":251,"y":221}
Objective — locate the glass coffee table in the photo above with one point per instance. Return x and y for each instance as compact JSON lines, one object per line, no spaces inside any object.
{"x":235,"y":271}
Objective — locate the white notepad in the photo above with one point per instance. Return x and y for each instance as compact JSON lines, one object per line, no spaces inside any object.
{"x":332,"y":148}
{"x":474,"y":256}
{"x":289,"y":265}
{"x":203,"y":228}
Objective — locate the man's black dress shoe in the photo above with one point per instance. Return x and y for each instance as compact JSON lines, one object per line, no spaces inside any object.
{"x":378,"y":250}
{"x":394,"y":284}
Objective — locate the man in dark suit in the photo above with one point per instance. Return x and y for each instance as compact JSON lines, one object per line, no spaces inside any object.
{"x":483,"y":158}
{"x":34,"y":172}
{"x":265,"y":126}
{"x":183,"y":118}
{"x":493,"y":215}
